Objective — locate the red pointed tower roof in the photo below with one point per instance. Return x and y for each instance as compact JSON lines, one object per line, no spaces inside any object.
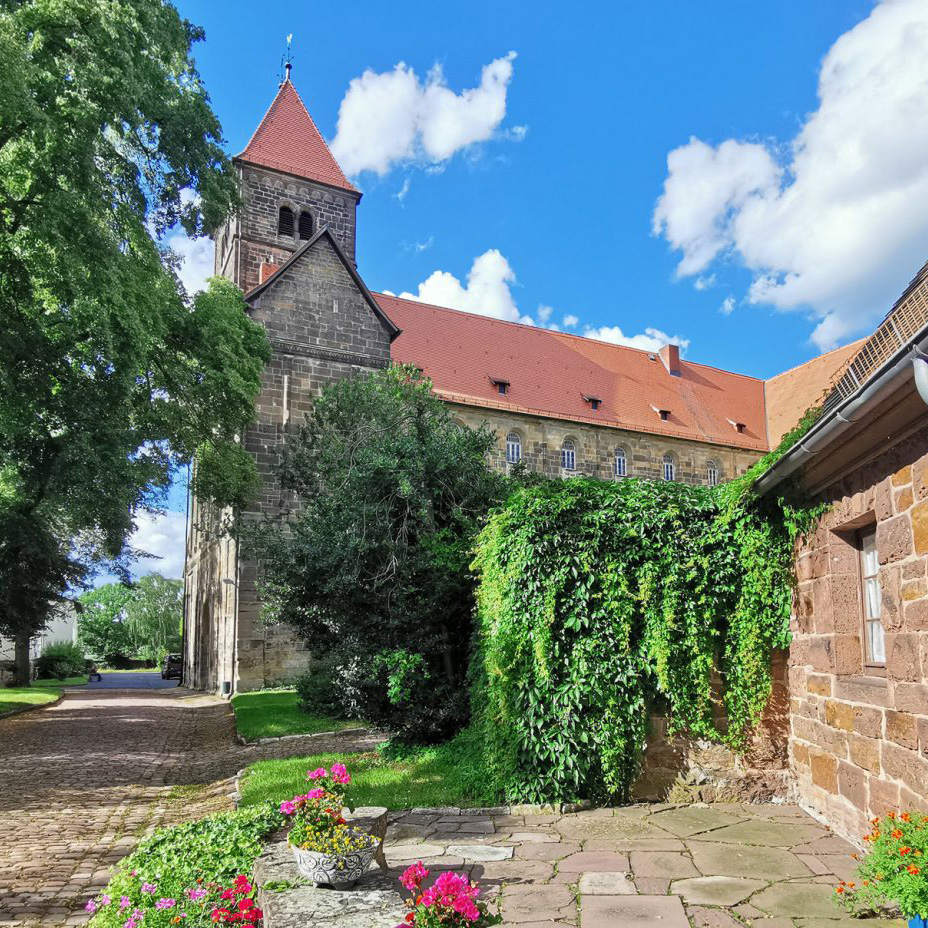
{"x":287,"y":140}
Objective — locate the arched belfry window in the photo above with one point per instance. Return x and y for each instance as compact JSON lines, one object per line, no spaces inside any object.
{"x":569,"y":455}
{"x":306,"y":225}
{"x":285,"y":221}
{"x":621,"y":463}
{"x":712,"y":474}
{"x":513,"y":448}
{"x":670,"y":467}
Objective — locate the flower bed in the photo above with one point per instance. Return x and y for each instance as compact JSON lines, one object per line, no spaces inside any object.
{"x":894,"y":870}
{"x":191,"y":875}
{"x":451,"y":901}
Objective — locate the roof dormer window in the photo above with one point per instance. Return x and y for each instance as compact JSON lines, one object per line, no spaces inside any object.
{"x":594,"y":401}
{"x":738,"y":426}
{"x":663,"y":413}
{"x":502,"y":385}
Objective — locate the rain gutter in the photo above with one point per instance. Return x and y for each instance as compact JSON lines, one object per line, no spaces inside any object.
{"x":909,"y":361}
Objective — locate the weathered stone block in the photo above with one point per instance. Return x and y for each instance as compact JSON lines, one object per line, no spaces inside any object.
{"x":902,"y":657}
{"x":864,"y":752}
{"x":894,"y":539}
{"x":824,"y":771}
{"x":903,"y":764}
{"x":902,"y":476}
{"x":901,"y":727}
{"x":852,"y":784}
{"x":911,"y":697}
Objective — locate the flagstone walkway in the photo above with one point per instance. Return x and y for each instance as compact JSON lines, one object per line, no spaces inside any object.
{"x":82,"y":781}
{"x":719,"y":866}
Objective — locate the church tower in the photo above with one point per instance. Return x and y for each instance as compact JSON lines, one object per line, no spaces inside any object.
{"x":290,"y":247}
{"x":291,"y":187}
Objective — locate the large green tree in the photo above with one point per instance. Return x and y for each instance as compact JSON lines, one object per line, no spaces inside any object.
{"x":372,"y":566}
{"x":141,"y":620}
{"x":111,"y":376}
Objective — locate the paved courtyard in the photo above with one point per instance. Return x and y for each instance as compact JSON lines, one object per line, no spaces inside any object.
{"x":82,"y":781}
{"x":719,"y":866}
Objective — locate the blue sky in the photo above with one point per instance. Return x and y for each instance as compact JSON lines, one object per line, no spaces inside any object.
{"x":784,"y":222}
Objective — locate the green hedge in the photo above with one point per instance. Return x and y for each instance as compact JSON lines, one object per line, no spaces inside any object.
{"x":596,"y":599}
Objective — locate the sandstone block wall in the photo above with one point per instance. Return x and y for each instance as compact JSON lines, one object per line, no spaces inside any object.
{"x":859,"y":734}
{"x":596,"y":446}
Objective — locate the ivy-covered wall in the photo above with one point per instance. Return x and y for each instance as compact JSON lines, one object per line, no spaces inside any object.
{"x":600,"y":604}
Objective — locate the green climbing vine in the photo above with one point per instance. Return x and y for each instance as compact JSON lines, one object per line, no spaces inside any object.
{"x":600,"y":601}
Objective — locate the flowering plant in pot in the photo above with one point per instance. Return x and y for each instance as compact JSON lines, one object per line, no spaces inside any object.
{"x":326,"y":849}
{"x":450,"y":902}
{"x":894,"y":869}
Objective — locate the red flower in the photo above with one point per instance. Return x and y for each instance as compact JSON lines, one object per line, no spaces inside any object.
{"x":897,"y":833}
{"x":913,"y":869}
{"x":905,"y":849}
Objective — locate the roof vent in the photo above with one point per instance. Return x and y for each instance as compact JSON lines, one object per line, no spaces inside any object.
{"x":737,"y":426}
{"x":652,"y":357}
{"x":670,"y":355}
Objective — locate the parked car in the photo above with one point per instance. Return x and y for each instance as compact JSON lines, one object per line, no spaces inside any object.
{"x":171,"y":668}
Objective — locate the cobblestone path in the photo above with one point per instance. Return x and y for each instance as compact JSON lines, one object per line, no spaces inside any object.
{"x":82,"y":781}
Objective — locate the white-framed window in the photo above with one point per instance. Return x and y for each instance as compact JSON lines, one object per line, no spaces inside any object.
{"x":874,"y":634}
{"x":669,"y":467}
{"x":568,"y":455}
{"x":621,"y":463}
{"x":513,"y":448}
{"x":712,"y":474}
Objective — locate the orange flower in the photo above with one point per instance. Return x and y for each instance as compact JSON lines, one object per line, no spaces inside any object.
{"x":913,"y":869}
{"x":905,"y":849}
{"x":874,"y":821}
{"x":892,"y":815}
{"x":905,"y":817}
{"x":897,"y":833}
{"x":839,"y":889}
{"x":855,"y":856}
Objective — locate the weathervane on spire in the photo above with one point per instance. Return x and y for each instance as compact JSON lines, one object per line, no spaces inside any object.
{"x":287,"y":60}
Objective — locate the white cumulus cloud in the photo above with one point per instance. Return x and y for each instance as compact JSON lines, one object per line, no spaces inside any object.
{"x":487,"y":291}
{"x":393,"y":117}
{"x":570,"y":321}
{"x":834,"y":221}
{"x":196,"y":255}
{"x":728,"y":306}
{"x":162,"y":537}
{"x":649,"y":340}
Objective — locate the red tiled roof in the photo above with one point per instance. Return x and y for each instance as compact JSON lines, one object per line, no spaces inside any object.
{"x":287,"y":140}
{"x":549,"y":373}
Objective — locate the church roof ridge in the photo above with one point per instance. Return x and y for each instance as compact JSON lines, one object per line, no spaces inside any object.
{"x":287,"y":139}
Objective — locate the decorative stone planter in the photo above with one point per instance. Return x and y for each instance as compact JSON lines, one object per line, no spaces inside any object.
{"x":335,"y":870}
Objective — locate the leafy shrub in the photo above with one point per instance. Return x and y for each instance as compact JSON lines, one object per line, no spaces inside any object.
{"x":216,"y":849}
{"x":60,"y":660}
{"x":595,"y":598}
{"x":318,"y":691}
{"x":894,"y":870}
{"x":372,"y":566}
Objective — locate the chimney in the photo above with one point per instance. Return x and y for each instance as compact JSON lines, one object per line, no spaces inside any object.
{"x":266,"y":270}
{"x":670,"y":355}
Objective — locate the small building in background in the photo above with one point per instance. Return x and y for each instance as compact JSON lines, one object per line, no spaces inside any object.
{"x":63,"y":627}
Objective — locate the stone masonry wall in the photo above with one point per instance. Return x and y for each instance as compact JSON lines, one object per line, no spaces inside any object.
{"x":859,"y":734}
{"x":321,"y":330}
{"x":255,"y":228}
{"x":596,"y":445}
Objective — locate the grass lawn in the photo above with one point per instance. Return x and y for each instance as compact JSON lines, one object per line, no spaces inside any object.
{"x":271,"y":713}
{"x":40,"y":693}
{"x":448,"y":775}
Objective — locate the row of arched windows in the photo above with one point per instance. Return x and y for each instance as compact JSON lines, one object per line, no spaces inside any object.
{"x":569,"y":460}
{"x":286,"y":224}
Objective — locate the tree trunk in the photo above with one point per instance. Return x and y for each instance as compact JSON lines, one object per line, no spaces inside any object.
{"x":21,"y":673}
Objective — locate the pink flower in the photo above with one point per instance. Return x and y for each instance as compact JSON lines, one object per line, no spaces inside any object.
{"x":91,"y":906}
{"x":196,"y":895}
{"x":287,"y":807}
{"x":124,"y":902}
{"x":340,"y":774}
{"x":129,"y":923}
{"x":105,"y":900}
{"x":414,"y":875}
{"x":315,"y":794}
{"x":165,"y":903}
{"x":316,"y":774}
{"x":149,"y":888}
